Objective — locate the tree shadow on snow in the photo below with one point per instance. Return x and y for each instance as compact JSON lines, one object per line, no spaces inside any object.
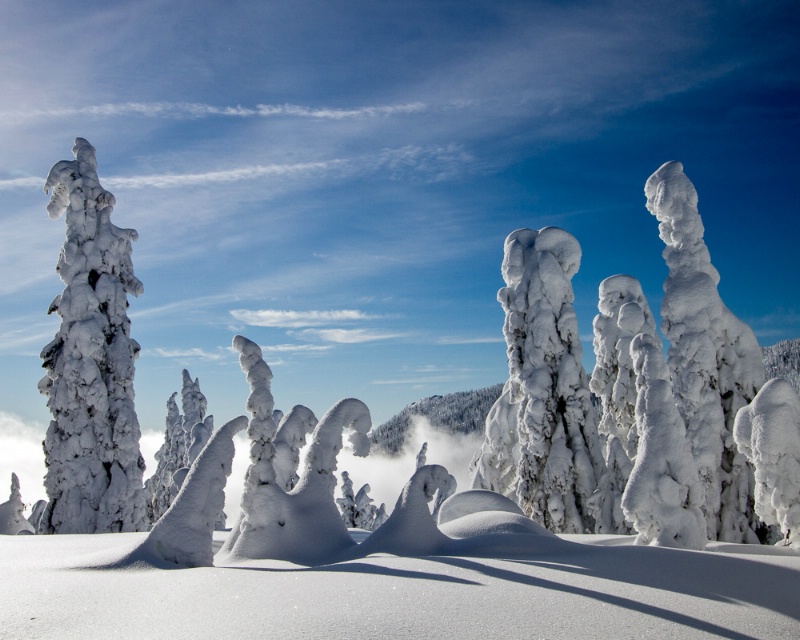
{"x":361,"y":568}
{"x":702,"y":575}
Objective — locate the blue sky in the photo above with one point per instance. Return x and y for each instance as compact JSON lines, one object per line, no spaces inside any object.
{"x":335,"y":180}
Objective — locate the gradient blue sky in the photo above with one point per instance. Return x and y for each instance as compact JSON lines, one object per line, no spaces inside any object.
{"x":359,"y":164}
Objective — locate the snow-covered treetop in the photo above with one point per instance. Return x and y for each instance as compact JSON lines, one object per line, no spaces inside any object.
{"x":672,"y":199}
{"x":289,"y":439}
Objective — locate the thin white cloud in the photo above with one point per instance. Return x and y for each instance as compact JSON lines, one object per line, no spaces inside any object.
{"x":296,"y":348}
{"x":181,"y":354}
{"x":455,"y":340}
{"x":347,"y":336}
{"x":200,"y":110}
{"x":28,"y":182}
{"x":296,"y":319}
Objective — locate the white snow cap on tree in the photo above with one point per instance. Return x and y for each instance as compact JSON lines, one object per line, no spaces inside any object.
{"x":768,"y":432}
{"x":289,"y":439}
{"x":560,"y":458}
{"x":94,"y":466}
{"x":12,"y":520}
{"x":663,"y":494}
{"x":714,"y":358}
{"x":624,"y":313}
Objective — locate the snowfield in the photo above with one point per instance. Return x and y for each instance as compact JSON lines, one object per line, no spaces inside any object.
{"x":570,"y":586}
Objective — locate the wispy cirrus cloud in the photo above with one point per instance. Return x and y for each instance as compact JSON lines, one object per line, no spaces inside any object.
{"x":296,"y":348}
{"x":193,"y":353}
{"x":347,"y":336}
{"x":296,"y":319}
{"x":201,"y":110}
{"x":455,"y":340}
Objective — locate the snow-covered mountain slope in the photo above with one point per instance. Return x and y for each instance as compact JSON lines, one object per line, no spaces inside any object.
{"x":465,"y":411}
{"x":782,"y":360}
{"x":462,"y":412}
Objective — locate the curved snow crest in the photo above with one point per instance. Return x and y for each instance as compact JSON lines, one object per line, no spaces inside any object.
{"x":183,"y":536}
{"x":475,"y":501}
{"x":767,"y":431}
{"x":411,"y":529}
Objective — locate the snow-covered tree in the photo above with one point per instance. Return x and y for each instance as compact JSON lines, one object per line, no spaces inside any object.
{"x":494,"y":465}
{"x":380,"y":517}
{"x":767,"y":431}
{"x":304,"y":524}
{"x":290,"y":438}
{"x":169,"y":459}
{"x":365,"y":509}
{"x":663,"y":495}
{"x":12,"y":519}
{"x":194,"y":406}
{"x":347,"y":503}
{"x":714,"y":357}
{"x":36,"y":513}
{"x":422,"y":455}
{"x":560,"y":457}
{"x":94,"y":466}
{"x":624,"y":313}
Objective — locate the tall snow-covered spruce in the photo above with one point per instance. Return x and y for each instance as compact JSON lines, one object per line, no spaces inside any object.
{"x":714,"y":357}
{"x":94,"y":466}
{"x":624,"y":313}
{"x":545,"y":405}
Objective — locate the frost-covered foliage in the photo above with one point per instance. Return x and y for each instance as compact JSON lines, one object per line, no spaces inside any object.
{"x":422,"y":455}
{"x":365,"y":509}
{"x":664,"y":493}
{"x":183,"y":536}
{"x":782,"y":360}
{"x":462,"y":412}
{"x":768,"y":432}
{"x":181,"y":445}
{"x":714,"y":358}
{"x":94,"y":466}
{"x":169,"y":459}
{"x":347,"y":503}
{"x":12,"y":519}
{"x":289,"y":439}
{"x":624,"y":313}
{"x":560,"y":457}
{"x":36,"y":513}
{"x":494,"y":466}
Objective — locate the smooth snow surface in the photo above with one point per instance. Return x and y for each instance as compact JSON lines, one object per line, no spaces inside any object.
{"x":552,"y":588}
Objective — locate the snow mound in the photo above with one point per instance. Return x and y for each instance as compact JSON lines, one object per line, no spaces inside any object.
{"x":474,"y":501}
{"x":492,"y":522}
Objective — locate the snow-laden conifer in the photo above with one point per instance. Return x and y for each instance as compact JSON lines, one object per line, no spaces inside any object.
{"x":714,"y":357}
{"x":194,"y":406}
{"x":94,"y":466}
{"x":290,"y":438}
{"x":12,"y":518}
{"x":169,"y":459}
{"x":494,"y":465}
{"x":560,"y":458}
{"x":767,"y":431}
{"x":663,"y":495}
{"x":365,"y":509}
{"x":422,"y":455}
{"x":624,"y":313}
{"x":347,"y":503}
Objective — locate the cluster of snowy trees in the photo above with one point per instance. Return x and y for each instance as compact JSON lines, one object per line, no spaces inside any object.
{"x":683,"y":449}
{"x":670,"y":467}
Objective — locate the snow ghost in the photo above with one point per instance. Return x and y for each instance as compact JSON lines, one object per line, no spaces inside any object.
{"x":94,"y":466}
